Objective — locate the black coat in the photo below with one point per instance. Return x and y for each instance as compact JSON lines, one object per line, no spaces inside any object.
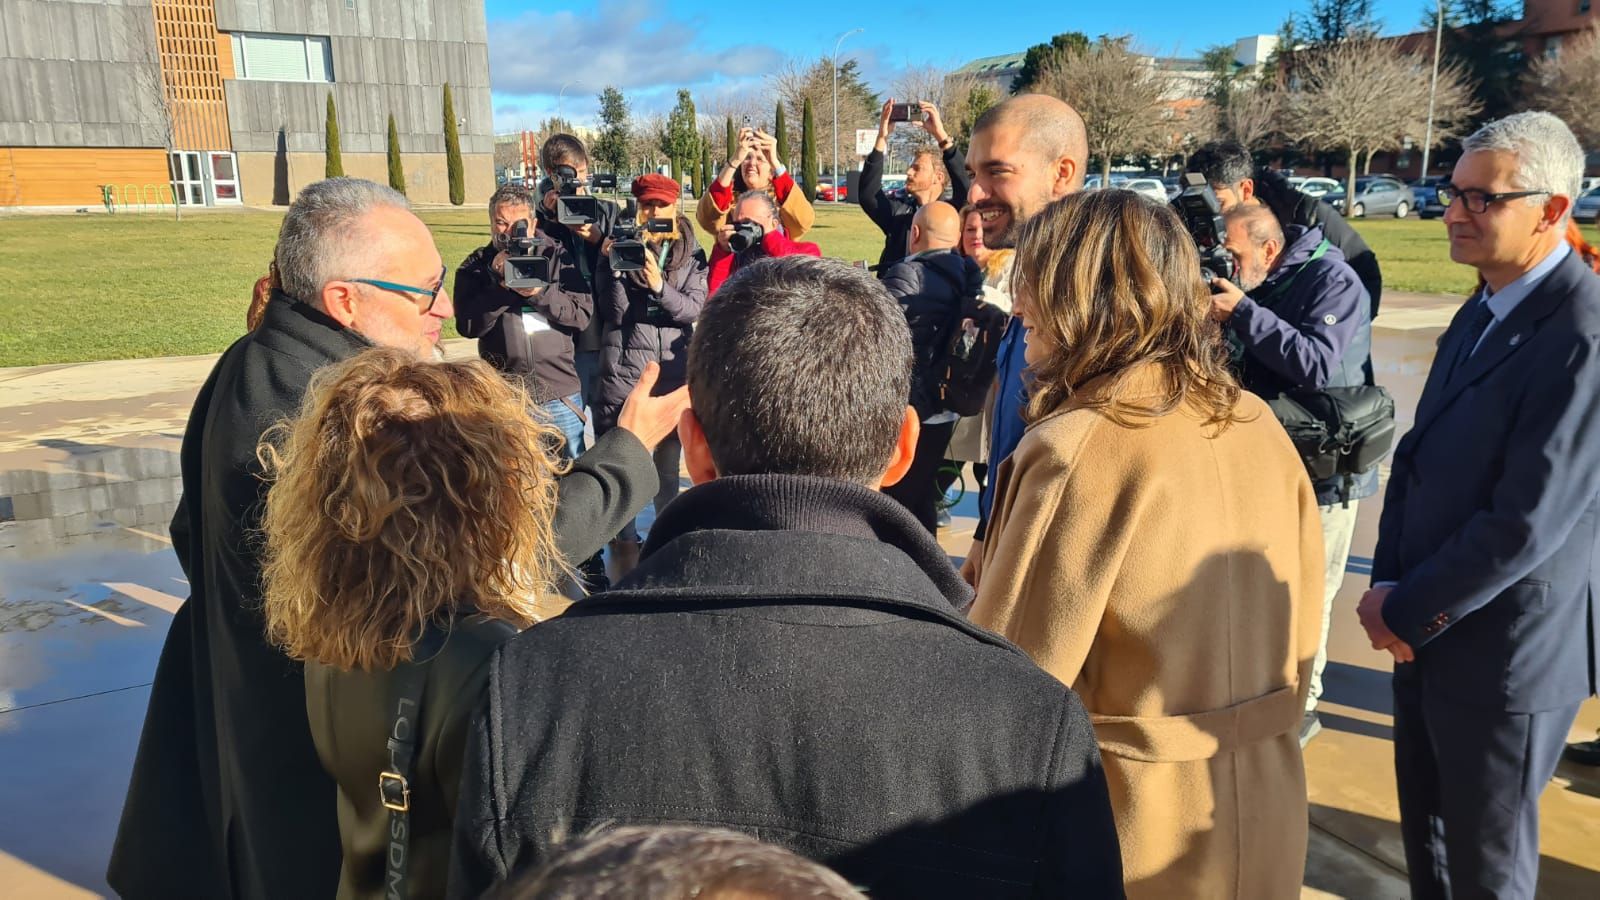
{"x":491,"y":312}
{"x":642,"y":328}
{"x":586,"y":257}
{"x":892,"y":213}
{"x":227,"y":798}
{"x":930,"y":288}
{"x":789,"y":660}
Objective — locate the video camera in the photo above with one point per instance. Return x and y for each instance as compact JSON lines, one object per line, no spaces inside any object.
{"x":627,"y":249}
{"x":572,"y":207}
{"x":746,"y":235}
{"x":524,"y":269}
{"x":1202,"y":216}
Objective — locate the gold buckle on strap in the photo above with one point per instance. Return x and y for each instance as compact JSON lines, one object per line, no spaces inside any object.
{"x":394,"y":791}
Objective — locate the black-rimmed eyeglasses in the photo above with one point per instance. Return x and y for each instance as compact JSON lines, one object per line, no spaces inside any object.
{"x":1477,"y":201}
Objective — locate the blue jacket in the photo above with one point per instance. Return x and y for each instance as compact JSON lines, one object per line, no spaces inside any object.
{"x":1492,"y":515}
{"x":1010,"y":400}
{"x":1307,"y":326}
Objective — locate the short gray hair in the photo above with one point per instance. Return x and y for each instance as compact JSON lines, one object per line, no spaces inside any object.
{"x":319,"y":237}
{"x":1548,"y":155}
{"x":766,"y":201}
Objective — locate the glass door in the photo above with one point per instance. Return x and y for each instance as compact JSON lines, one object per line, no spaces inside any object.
{"x":223,"y":170}
{"x":188,"y":179}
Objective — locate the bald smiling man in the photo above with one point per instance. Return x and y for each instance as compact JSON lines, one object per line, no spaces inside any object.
{"x":930,"y":285}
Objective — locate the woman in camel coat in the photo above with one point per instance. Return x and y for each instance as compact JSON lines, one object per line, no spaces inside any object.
{"x":756,"y":169}
{"x":1155,"y":545}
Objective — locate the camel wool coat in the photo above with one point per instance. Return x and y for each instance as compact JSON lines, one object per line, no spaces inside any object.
{"x":1172,"y":576}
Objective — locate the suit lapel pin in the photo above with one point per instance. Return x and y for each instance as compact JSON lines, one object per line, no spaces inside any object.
{"x":1516,"y":339}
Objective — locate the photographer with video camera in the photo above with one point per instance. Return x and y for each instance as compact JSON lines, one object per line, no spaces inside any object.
{"x":930,"y":172}
{"x":571,"y":215}
{"x":752,"y":231}
{"x":1298,"y":321}
{"x":755,"y":168}
{"x":651,"y":286}
{"x":523,"y":298}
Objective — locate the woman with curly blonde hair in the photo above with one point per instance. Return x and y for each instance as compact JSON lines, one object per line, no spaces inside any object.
{"x":408,"y":534}
{"x":1155,"y":544}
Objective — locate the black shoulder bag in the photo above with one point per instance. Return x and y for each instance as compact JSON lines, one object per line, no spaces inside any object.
{"x":1342,"y":431}
{"x":406,"y":685}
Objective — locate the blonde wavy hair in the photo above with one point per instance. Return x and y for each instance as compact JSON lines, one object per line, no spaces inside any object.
{"x":405,"y":492}
{"x":1111,"y":282}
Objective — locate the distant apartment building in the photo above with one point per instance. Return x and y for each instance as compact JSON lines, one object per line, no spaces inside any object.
{"x":224,"y":101}
{"x":1189,"y":76}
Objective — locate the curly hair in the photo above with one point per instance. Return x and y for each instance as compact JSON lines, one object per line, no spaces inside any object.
{"x":405,"y":492}
{"x":1111,"y":282}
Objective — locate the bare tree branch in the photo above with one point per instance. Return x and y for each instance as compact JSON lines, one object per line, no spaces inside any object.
{"x":1120,"y":94}
{"x":1568,"y":84}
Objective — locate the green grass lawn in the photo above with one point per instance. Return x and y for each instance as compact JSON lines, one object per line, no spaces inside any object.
{"x":80,"y":288}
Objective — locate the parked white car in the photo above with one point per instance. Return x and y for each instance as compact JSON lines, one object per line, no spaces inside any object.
{"x":1149,"y":188}
{"x":1315,"y":186}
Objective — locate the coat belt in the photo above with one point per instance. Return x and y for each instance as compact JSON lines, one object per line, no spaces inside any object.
{"x":1200,"y":735}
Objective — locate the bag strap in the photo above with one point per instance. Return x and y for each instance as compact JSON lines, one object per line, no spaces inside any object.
{"x":406,"y":684}
{"x":1280,"y":287}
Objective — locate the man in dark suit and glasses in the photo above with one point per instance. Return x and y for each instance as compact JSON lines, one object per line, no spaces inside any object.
{"x":1486,"y":568}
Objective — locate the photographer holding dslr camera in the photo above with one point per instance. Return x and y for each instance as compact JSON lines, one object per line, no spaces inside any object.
{"x":752,"y":231}
{"x":1298,"y":322}
{"x":650,"y":287}
{"x":926,"y":178}
{"x":524,"y":328}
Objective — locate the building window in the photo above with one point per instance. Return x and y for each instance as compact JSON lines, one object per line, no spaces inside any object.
{"x":1552,"y":46}
{"x":282,"y":57}
{"x":1583,"y":6}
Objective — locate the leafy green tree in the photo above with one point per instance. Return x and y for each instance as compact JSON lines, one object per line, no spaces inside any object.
{"x":808,"y":152}
{"x":397,"y":173}
{"x":1035,"y":58}
{"x":611,"y":147}
{"x":681,"y":139}
{"x":452,"y":151}
{"x":978,"y":101}
{"x":780,"y":130}
{"x":1333,"y":21}
{"x":333,"y":165}
{"x":1475,"y":36}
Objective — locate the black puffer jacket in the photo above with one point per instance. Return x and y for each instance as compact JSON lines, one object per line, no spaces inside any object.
{"x":641,"y":328}
{"x":1293,"y":207}
{"x":929,"y":287}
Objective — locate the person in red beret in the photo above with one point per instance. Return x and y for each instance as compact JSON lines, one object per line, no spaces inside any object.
{"x":649,"y":314}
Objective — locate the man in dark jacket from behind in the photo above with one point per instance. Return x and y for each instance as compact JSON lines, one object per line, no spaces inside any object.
{"x":1234,"y":177}
{"x":227,"y":797}
{"x":929,"y":173}
{"x":930,"y":286}
{"x":798,"y":666}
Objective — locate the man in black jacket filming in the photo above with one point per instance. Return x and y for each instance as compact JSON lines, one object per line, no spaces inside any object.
{"x":930,"y":172}
{"x":797,"y":663}
{"x":930,"y":286}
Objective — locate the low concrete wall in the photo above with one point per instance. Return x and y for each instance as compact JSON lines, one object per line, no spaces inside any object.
{"x":427,"y":176}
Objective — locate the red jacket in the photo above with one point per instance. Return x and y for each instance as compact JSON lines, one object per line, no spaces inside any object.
{"x":776,"y":243}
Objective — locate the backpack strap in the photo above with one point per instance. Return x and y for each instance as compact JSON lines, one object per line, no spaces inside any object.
{"x":406,"y":685}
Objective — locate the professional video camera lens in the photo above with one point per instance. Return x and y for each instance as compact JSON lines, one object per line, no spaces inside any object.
{"x":745,"y":235}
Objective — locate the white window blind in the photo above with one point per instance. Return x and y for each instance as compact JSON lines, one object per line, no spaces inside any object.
{"x":282,"y":57}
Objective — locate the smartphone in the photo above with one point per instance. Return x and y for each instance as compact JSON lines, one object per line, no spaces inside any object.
{"x":906,"y":112}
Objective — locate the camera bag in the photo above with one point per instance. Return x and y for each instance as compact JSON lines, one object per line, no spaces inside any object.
{"x":1338,"y":430}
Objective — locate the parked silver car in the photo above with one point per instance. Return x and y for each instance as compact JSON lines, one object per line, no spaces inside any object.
{"x":1376,"y":195}
{"x":1150,"y":188}
{"x":1587,"y":209}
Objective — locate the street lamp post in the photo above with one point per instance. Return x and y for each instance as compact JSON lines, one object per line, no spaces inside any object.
{"x":834,"y":174}
{"x":1433,"y":85}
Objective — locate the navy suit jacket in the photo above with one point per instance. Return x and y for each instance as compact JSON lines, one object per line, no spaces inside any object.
{"x":1492,"y":515}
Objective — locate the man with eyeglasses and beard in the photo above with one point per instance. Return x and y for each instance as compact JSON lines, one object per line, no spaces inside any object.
{"x":1024,"y":153}
{"x":228,"y":797}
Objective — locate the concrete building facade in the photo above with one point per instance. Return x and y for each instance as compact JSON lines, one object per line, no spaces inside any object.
{"x":221,"y":102}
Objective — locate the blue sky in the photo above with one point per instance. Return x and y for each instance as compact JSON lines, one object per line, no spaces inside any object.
{"x":717,"y":49}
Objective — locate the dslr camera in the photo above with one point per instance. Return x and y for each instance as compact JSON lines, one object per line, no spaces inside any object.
{"x":572,"y":207}
{"x":746,"y":235}
{"x":1202,"y":216}
{"x":907,"y":112}
{"x":627,"y":246}
{"x":524,"y":269}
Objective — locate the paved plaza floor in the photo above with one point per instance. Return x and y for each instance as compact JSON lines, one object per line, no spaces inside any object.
{"x":88,"y":585}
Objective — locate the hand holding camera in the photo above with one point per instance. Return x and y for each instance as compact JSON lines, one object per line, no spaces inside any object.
{"x":518,"y":266}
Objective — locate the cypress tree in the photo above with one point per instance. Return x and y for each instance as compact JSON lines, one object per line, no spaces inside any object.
{"x":705,"y":168}
{"x":780,"y":130}
{"x":733,"y":141}
{"x":397,"y":174}
{"x":808,"y":152}
{"x":333,"y":165}
{"x":452,"y":151}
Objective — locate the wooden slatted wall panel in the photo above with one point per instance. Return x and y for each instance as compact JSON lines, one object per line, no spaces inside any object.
{"x":71,"y":176}
{"x":191,"y":69}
